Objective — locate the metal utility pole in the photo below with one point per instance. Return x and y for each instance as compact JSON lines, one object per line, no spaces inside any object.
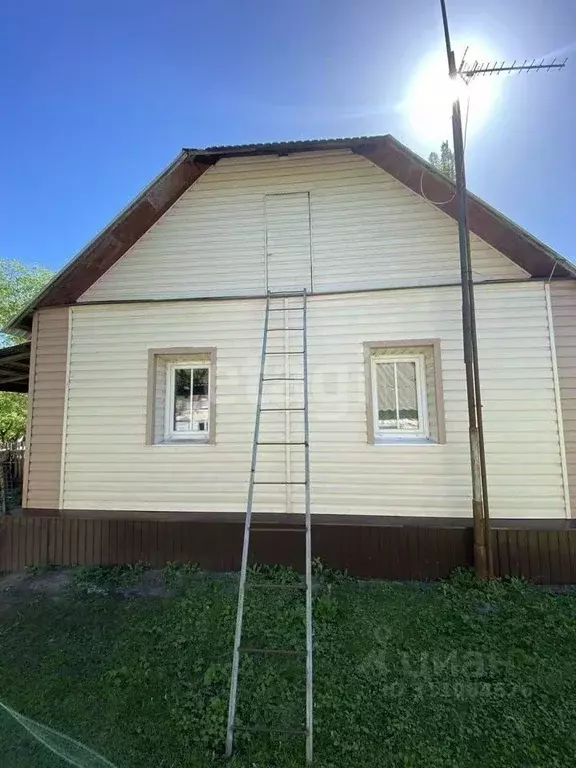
{"x":477,"y":459}
{"x":480,"y":509}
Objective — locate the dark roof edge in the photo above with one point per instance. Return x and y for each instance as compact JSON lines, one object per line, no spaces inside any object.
{"x":287,"y":147}
{"x":22,"y":321}
{"x":534,"y":241}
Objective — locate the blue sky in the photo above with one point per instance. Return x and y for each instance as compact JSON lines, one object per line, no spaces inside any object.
{"x":98,"y":97}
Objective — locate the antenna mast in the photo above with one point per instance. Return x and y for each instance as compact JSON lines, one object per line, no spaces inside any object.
{"x":480,"y":510}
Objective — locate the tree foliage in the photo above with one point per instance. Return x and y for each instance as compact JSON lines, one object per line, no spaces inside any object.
{"x":445,"y":161}
{"x":18,"y":286}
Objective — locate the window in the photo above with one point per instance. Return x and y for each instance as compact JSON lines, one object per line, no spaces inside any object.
{"x":188,"y":403}
{"x":404,"y":392}
{"x":399,"y":392}
{"x":181,"y":396}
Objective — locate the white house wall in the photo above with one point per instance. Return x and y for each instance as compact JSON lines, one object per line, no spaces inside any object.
{"x":367,"y":231}
{"x":108,"y":465}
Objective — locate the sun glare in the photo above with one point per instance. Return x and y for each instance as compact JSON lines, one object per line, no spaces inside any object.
{"x":428,"y":106}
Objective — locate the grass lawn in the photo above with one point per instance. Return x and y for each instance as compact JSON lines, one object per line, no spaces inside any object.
{"x":412,"y":676}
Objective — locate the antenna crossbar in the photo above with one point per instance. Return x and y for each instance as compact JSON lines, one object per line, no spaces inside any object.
{"x":494,"y":68}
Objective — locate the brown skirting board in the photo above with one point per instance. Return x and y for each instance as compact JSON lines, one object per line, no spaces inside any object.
{"x":418,"y":549}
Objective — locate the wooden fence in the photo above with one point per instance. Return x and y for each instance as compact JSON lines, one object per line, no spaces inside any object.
{"x":367,"y":551}
{"x":11,"y":477}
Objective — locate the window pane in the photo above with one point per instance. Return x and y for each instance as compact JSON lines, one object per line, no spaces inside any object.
{"x":397,"y":396}
{"x":200,"y":400}
{"x":407,"y":396}
{"x":191,"y":399}
{"x":387,"y":415}
{"x":182,"y":414}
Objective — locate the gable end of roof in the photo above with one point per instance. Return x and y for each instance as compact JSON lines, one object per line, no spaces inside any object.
{"x":383,"y":151}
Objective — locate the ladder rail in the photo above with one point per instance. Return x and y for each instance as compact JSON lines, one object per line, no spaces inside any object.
{"x":309,"y":629}
{"x":245,"y":549}
{"x":307,"y":530}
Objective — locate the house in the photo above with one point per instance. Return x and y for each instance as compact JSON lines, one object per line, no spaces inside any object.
{"x":145,"y":355}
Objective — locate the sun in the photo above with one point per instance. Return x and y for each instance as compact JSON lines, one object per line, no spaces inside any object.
{"x":428,"y":105}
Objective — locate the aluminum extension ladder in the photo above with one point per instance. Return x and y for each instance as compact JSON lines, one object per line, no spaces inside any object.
{"x":239,"y":650}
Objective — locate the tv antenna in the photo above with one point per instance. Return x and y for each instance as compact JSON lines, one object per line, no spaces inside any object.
{"x":467,"y":72}
{"x":480,"y":509}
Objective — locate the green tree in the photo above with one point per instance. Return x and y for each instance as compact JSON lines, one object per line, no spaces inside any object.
{"x":445,"y":162}
{"x":18,"y":286}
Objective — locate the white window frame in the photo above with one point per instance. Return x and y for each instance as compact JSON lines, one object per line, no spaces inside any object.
{"x":170,"y":434}
{"x":398,"y":435}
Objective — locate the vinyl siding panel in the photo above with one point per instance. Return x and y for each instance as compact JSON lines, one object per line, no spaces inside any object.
{"x":288,"y":248}
{"x":563,"y":295}
{"x":46,"y":410}
{"x":367,"y":231}
{"x":109,"y":466}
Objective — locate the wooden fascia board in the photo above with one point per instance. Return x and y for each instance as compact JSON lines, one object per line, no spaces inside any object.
{"x":108,"y":247}
{"x":483,"y":221}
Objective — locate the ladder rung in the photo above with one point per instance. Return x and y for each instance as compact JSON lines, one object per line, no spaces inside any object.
{"x":266,"y":729}
{"x":274,"y":585}
{"x":279,"y":482}
{"x":277,"y":529}
{"x":275,"y":330}
{"x":298,"y":352}
{"x":285,"y":294}
{"x":285,"y":309}
{"x":288,"y":408}
{"x":283,"y":378}
{"x":278,"y":442}
{"x":273,"y":651}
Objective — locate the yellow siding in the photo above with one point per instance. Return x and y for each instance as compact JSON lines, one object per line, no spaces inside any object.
{"x":109,"y":466}
{"x":564,"y":318}
{"x":46,"y":410}
{"x":288,"y":243}
{"x":367,"y":231}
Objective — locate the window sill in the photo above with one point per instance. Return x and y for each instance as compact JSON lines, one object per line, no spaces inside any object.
{"x":184,"y":442}
{"x":405,"y":441}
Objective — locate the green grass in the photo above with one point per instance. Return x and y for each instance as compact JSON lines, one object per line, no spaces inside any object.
{"x":453,"y":675}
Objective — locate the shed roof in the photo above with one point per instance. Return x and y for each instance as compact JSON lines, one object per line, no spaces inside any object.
{"x":384,"y":151}
{"x":14,"y":368}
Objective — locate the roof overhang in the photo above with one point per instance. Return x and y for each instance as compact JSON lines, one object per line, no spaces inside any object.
{"x":14,"y":368}
{"x":114,"y":241}
{"x":384,"y":151}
